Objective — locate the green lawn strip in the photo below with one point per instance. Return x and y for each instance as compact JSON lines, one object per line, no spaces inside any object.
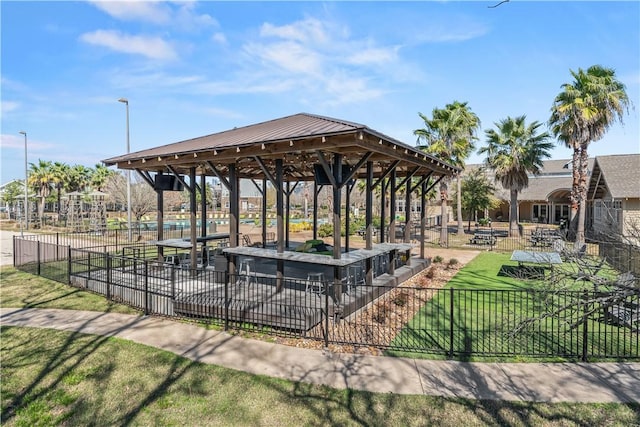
{"x":60,"y":378}
{"x":484,"y":320}
{"x":23,"y":290}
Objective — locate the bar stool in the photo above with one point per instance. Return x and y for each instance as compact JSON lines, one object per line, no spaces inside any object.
{"x":247,"y":271}
{"x":315,"y":283}
{"x":355,"y":276}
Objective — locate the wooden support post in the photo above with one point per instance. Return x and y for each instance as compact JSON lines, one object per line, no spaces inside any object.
{"x":368,"y":220}
{"x":279,"y":224}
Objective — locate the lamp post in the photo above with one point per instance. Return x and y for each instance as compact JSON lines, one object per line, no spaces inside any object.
{"x":26,"y":178}
{"x":126,"y":102}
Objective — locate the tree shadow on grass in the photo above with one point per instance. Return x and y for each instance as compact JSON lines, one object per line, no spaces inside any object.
{"x":328,"y":406}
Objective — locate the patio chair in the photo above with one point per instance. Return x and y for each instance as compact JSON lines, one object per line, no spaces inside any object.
{"x":247,"y":241}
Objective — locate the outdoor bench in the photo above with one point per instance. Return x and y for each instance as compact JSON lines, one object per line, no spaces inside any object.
{"x":483,"y":239}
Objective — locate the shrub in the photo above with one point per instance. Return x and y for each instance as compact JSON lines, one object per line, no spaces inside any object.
{"x":325,"y":230}
{"x":401,"y":299}
{"x":437,"y":259}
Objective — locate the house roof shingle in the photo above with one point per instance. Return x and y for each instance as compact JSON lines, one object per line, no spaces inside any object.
{"x":619,"y":173}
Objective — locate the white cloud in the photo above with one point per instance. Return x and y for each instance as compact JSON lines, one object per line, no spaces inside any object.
{"x":151,"y":47}
{"x":290,"y":56}
{"x":374,"y":56}
{"x":8,"y":106}
{"x":16,"y":142}
{"x":322,"y":60}
{"x":148,"y":11}
{"x":179,"y":14}
{"x":310,"y":31}
{"x":219,"y":38}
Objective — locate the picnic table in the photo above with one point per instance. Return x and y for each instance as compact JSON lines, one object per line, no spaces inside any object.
{"x":544,"y":236}
{"x":483,"y":239}
{"x":535,"y":257}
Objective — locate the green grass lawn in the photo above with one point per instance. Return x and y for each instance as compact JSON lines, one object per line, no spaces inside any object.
{"x":486,"y":304}
{"x":24,"y":290}
{"x":59,"y":378}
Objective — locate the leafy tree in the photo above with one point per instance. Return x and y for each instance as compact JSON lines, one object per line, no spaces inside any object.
{"x":41,"y":180}
{"x":449,"y":135}
{"x":477,"y":193}
{"x":514,"y":151}
{"x":143,"y":198}
{"x":12,"y":192}
{"x":582,"y":113}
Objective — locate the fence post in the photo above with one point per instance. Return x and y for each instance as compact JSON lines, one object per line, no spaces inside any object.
{"x":38,"y":257}
{"x":173,"y":282}
{"x":57,"y":245}
{"x":109,"y":264}
{"x":69,"y":264}
{"x":88,"y":266}
{"x":585,"y":323}
{"x":146,"y":288}
{"x":451,"y":293}
{"x":226,"y":300}
{"x":326,"y":317}
{"x":15,"y":250}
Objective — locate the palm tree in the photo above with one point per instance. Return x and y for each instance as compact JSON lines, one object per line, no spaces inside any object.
{"x":79,"y":178}
{"x":60,"y":172}
{"x":98,"y":177}
{"x":582,"y":113}
{"x":41,"y":179}
{"x":514,"y":151}
{"x":450,"y":136}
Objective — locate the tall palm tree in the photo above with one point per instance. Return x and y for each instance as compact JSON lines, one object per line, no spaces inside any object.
{"x":582,"y":113}
{"x":79,"y":178}
{"x":98,"y":177}
{"x":450,"y":135}
{"x":60,"y":172}
{"x":515,"y":150}
{"x":41,"y":179}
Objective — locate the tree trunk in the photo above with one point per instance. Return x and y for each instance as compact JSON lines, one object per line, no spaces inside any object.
{"x":572,"y":226}
{"x":583,"y":170}
{"x":41,"y":212}
{"x":514,"y":231}
{"x":444,"y":232}
{"x":459,"y":207}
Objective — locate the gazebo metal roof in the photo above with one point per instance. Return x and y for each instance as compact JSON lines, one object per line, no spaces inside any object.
{"x":300,"y":140}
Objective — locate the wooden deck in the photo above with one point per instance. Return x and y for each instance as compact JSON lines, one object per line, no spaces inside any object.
{"x":176,"y":292}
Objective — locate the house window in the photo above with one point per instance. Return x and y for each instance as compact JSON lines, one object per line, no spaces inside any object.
{"x":540,"y":213}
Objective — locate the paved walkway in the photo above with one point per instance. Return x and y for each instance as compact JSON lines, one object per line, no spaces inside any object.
{"x":540,"y":382}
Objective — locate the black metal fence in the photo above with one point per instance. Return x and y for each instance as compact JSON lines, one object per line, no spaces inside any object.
{"x":454,"y":323}
{"x":98,"y":239}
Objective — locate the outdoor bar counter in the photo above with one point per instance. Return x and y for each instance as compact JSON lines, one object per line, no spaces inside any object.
{"x":346,"y":258}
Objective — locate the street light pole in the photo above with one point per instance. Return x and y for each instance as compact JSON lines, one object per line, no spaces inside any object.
{"x":26,"y":178}
{"x":126,"y":102}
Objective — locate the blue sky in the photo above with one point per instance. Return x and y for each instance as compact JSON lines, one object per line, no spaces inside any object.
{"x":195,"y":68}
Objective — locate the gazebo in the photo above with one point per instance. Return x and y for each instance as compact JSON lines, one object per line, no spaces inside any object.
{"x":297,"y":148}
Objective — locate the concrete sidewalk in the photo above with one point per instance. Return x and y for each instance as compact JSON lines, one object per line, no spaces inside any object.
{"x":536,"y":382}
